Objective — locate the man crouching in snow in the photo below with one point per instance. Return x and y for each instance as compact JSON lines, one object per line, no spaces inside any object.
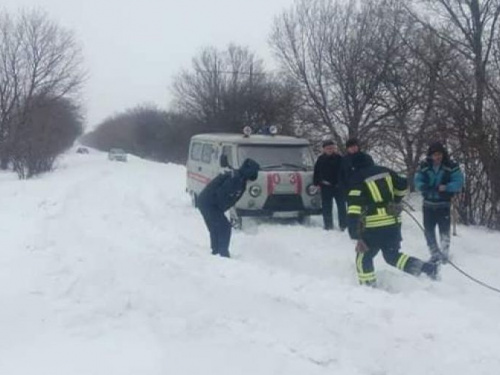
{"x":220,"y":195}
{"x":374,"y":220}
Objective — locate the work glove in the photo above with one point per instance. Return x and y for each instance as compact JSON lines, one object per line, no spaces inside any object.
{"x":361,"y":246}
{"x":394,"y":209}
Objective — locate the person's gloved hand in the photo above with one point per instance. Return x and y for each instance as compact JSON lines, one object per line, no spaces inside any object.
{"x":361,"y":246}
{"x":394,"y":209}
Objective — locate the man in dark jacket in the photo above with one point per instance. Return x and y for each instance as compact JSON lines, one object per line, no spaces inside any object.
{"x":438,"y":178}
{"x":326,"y":177}
{"x":346,"y":171}
{"x":374,"y":220}
{"x":219,"y":196}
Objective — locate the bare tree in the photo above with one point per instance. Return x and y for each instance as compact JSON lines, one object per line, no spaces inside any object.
{"x":299,"y":40}
{"x":39,"y":60}
{"x":339,"y":54}
{"x":9,"y":92}
{"x":412,"y":93}
{"x":227,"y":90}
{"x":49,"y":129}
{"x":470,"y":28}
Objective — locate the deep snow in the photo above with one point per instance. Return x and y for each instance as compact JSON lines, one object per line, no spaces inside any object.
{"x":105,"y":269}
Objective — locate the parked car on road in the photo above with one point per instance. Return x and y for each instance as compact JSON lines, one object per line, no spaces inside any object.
{"x":117,"y":154}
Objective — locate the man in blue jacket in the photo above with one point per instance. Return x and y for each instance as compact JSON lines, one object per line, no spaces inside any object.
{"x":438,"y":178}
{"x":219,"y":196}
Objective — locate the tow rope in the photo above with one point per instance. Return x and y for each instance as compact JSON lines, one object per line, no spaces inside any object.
{"x":483,"y":284}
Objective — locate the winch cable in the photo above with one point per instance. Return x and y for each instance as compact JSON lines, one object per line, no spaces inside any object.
{"x":497,"y":290}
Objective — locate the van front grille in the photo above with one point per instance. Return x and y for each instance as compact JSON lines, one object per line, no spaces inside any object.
{"x":284,"y":202}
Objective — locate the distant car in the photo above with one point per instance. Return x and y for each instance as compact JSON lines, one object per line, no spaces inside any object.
{"x":117,"y":154}
{"x":82,"y":150}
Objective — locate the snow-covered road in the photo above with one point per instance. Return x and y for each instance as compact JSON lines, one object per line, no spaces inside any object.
{"x":105,"y":269}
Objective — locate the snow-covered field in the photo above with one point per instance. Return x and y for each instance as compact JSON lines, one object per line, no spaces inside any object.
{"x":105,"y":270}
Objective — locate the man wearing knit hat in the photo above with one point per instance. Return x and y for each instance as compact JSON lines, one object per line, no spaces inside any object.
{"x":326,"y":176}
{"x":438,"y":178}
{"x":347,"y":170}
{"x":374,"y":220}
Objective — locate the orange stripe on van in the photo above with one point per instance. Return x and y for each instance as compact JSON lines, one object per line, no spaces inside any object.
{"x":298,"y":183}
{"x":198,"y":177}
{"x":270,"y":184}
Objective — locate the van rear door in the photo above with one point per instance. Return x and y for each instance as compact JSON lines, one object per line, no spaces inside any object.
{"x":197,"y":180}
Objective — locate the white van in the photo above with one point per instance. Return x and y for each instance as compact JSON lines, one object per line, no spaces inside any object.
{"x":284,"y":187}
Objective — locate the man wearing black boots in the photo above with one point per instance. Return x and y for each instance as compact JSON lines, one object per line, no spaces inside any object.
{"x":326,"y":177}
{"x":439,"y":179}
{"x":374,"y":219}
{"x":220,"y":195}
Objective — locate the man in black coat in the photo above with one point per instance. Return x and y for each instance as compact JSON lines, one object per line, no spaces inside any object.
{"x":347,"y":170}
{"x":220,"y":195}
{"x":326,"y":177}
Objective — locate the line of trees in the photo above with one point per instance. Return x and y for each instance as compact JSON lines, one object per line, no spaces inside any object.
{"x":222,"y":91}
{"x":145,"y":131}
{"x":229,"y":89}
{"x":398,"y":74}
{"x":394,"y":73}
{"x":40,"y":78}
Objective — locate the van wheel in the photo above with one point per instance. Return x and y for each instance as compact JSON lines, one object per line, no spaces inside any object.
{"x":304,"y":220}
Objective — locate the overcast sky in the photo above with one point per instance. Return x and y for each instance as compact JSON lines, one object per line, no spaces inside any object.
{"x":133,"y":48}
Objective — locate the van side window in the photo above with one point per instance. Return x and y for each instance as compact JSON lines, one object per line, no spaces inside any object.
{"x":228,"y":151}
{"x":196,"y":151}
{"x":206,"y":155}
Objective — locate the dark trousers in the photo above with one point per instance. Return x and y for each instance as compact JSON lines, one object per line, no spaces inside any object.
{"x":389,"y":241}
{"x":219,"y":228}
{"x":328,"y":193}
{"x":440,"y":217}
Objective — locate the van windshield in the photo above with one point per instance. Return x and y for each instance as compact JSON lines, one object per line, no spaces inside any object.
{"x":278,"y":157}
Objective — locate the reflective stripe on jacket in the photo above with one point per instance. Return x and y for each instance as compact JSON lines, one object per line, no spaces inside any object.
{"x":368,"y":200}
